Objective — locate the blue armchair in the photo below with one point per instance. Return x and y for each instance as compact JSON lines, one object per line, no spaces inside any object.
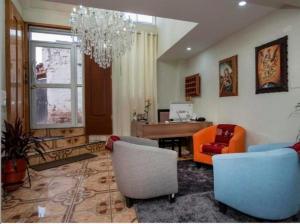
{"x":264,"y":182}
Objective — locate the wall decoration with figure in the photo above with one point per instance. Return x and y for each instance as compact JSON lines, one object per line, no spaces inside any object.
{"x":228,"y":76}
{"x":271,"y":67}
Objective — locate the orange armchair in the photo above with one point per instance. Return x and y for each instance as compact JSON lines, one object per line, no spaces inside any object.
{"x":208,"y":136}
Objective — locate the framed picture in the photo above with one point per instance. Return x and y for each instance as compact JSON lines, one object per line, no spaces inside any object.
{"x":228,"y":76}
{"x":271,"y":66}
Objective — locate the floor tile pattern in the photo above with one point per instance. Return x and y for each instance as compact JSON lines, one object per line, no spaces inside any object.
{"x":84,"y":191}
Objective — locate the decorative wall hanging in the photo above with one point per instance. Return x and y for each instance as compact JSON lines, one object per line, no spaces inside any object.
{"x":271,"y":66}
{"x":228,"y":76}
{"x":192,"y":86}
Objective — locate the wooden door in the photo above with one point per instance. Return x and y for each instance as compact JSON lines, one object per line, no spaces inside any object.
{"x":98,"y":99}
{"x":15,"y":69}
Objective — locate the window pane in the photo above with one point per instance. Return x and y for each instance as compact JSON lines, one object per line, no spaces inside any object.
{"x":145,"y":19}
{"x":139,"y":18}
{"x":52,"y":106}
{"x":79,"y":106}
{"x":51,"y":37}
{"x":132,"y":16}
{"x":79,"y":66}
{"x":52,"y":65}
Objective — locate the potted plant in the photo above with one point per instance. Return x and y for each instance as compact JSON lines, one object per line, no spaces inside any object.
{"x":15,"y":147}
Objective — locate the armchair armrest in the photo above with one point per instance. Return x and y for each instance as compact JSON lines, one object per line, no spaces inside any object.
{"x":237,"y":142}
{"x":267,"y":147}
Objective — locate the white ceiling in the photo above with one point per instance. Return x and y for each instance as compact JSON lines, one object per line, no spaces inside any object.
{"x":216,"y":18}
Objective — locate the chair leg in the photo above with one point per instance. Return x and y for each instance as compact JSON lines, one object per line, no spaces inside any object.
{"x":179,"y":149}
{"x":129,"y":202}
{"x":161,"y":143}
{"x":295,"y":218}
{"x":198,"y":165}
{"x":222,"y":207}
{"x":173,"y":145}
{"x":172,"y":198}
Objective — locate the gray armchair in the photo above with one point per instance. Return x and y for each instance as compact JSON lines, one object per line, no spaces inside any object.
{"x":143,"y":170}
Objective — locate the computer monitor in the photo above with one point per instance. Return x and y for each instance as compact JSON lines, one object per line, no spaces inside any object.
{"x":181,"y":111}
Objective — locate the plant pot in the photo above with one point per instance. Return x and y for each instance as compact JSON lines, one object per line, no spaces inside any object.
{"x":13,"y":175}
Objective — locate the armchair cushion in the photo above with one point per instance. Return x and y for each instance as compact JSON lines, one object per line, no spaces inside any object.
{"x":213,"y":148}
{"x":224,"y":133}
{"x":232,"y":138}
{"x":296,"y":147}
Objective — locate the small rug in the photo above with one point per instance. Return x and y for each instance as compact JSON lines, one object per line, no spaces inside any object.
{"x":192,"y":179}
{"x":194,"y":203}
{"x":61,"y":162}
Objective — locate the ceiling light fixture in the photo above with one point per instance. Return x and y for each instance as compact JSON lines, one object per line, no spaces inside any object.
{"x":188,"y":48}
{"x":103,"y":34}
{"x":242,"y":3}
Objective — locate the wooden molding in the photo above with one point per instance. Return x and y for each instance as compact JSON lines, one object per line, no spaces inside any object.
{"x":14,"y":86}
{"x":7,"y":55}
{"x":51,"y":26}
{"x":26,"y":78}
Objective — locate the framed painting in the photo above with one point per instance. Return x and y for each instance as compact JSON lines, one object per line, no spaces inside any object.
{"x":228,"y":76}
{"x":272,"y":67}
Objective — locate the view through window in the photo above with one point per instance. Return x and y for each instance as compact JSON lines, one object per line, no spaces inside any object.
{"x":56,"y":80}
{"x":140,"y":18}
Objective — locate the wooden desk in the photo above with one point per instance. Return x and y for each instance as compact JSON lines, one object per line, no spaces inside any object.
{"x":163,"y":130}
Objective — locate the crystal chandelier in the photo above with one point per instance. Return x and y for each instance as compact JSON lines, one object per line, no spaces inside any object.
{"x":102,"y":34}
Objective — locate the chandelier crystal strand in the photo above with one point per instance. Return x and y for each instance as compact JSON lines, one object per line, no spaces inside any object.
{"x":102,"y":34}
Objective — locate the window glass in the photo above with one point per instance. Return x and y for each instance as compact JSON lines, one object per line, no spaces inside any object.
{"x":79,"y":105}
{"x":144,"y":19}
{"x":52,"y":65}
{"x":52,"y":106}
{"x":132,"y":16}
{"x":51,"y":37}
{"x":139,"y":18}
{"x":79,"y":66}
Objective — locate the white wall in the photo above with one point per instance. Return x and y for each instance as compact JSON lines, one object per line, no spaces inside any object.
{"x":170,"y":31}
{"x":265,"y":116}
{"x":18,"y":6}
{"x":168,"y":78}
{"x":46,"y":16}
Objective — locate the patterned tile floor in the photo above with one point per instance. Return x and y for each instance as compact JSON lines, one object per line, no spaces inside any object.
{"x":84,"y":191}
